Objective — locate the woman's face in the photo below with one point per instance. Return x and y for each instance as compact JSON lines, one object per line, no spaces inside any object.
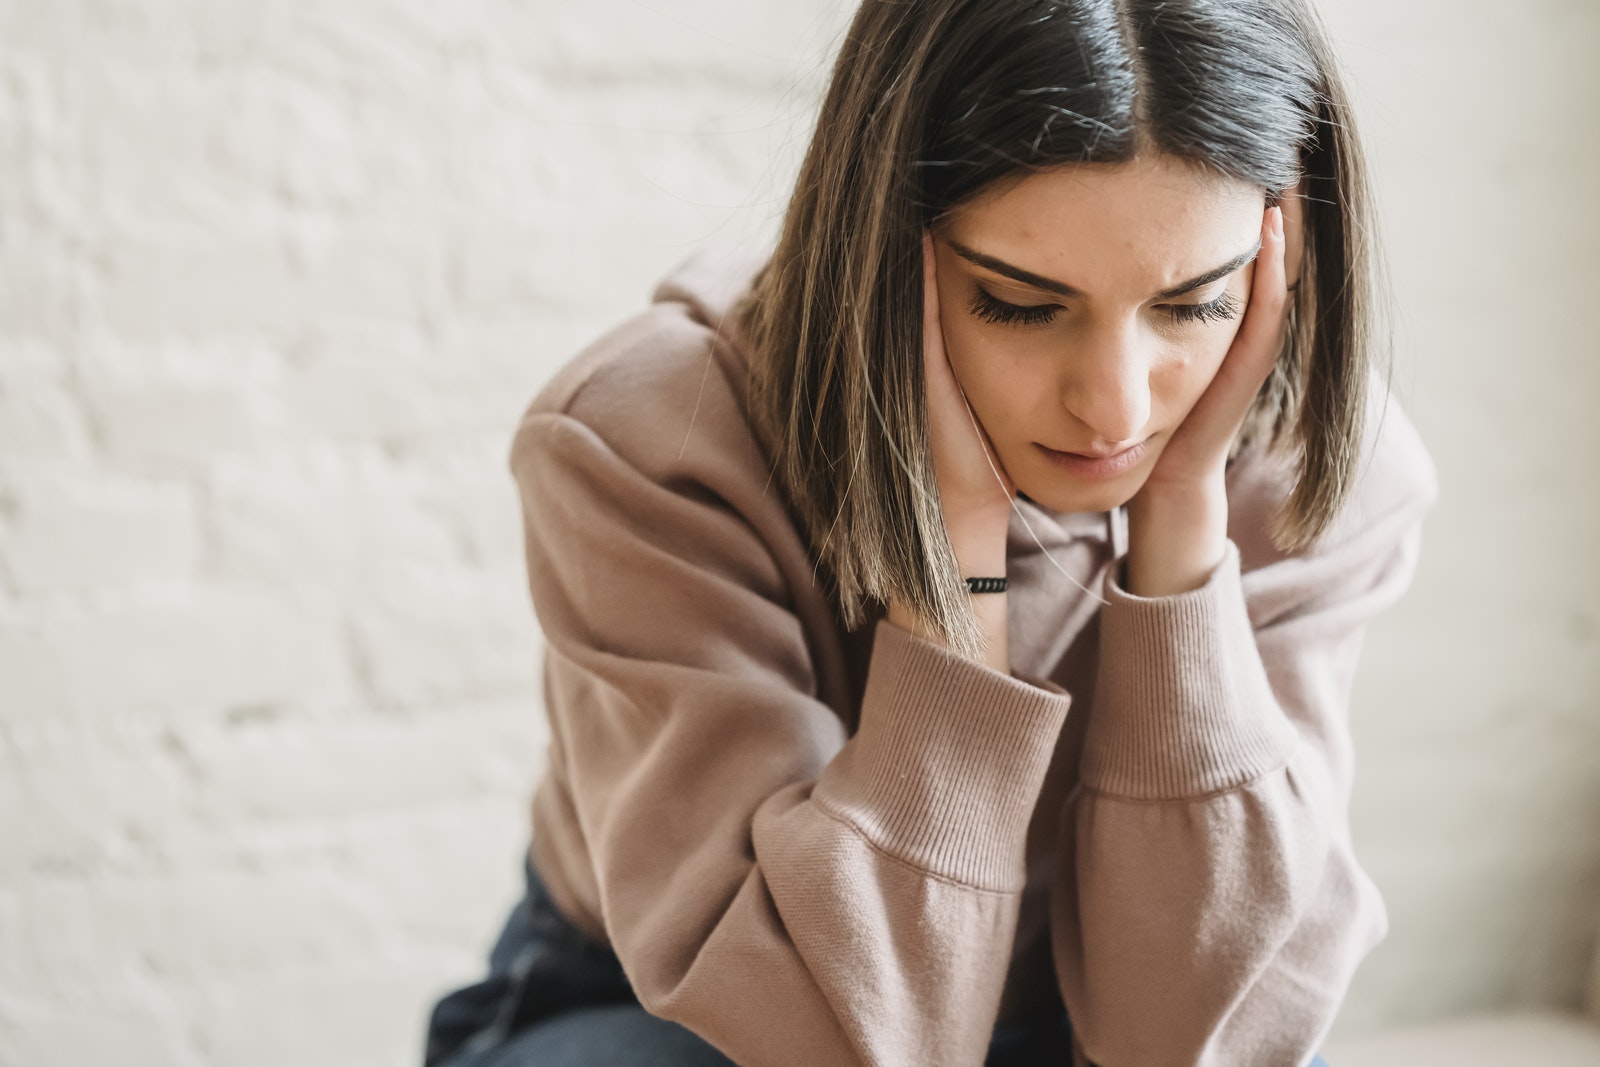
{"x":1085,"y":309}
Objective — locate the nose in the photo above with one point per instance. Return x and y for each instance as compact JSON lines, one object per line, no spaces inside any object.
{"x":1105,"y":385}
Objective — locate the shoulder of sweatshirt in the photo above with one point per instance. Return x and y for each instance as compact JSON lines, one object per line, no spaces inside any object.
{"x":665,"y":388}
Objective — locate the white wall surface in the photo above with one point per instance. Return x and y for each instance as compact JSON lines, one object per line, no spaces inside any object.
{"x":1477,"y":721}
{"x":276,"y":279}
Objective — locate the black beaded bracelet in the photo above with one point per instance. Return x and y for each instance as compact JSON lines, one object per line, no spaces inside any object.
{"x":986,"y":585}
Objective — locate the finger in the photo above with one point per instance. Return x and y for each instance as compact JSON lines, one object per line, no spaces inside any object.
{"x":950,"y":414}
{"x":1256,"y":346}
{"x":1294,"y":234}
{"x":1216,"y":417}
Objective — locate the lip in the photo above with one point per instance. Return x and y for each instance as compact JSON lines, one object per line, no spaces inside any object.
{"x":1089,"y":466}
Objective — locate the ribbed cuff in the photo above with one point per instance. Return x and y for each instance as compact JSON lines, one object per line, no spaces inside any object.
{"x":1182,"y":706}
{"x":948,"y":761}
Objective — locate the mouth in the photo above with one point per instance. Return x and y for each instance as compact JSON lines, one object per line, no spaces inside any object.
{"x":1095,"y":464}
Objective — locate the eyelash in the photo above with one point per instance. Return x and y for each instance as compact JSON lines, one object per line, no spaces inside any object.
{"x":986,"y":307}
{"x":993,"y":310}
{"x":1221,"y":309}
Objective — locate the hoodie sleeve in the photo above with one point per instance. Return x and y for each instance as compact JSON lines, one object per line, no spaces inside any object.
{"x":1209,"y":910}
{"x":790,"y":893}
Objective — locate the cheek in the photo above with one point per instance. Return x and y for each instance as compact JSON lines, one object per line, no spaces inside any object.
{"x":980,"y":362}
{"x":999,"y":372}
{"x":1189,"y":368}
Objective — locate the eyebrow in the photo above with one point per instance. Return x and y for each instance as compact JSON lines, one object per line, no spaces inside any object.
{"x":1050,"y":285}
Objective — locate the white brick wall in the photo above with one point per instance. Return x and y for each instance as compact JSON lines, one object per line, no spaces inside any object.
{"x":276,"y":280}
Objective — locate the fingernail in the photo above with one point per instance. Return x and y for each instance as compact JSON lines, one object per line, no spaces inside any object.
{"x":1277,"y":221}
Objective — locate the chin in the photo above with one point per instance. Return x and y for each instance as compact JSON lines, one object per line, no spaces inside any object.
{"x":1064,"y":497}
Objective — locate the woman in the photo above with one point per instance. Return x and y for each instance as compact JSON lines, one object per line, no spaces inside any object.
{"x":951,"y":623}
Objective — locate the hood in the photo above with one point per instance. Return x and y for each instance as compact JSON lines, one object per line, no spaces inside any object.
{"x":712,"y":282}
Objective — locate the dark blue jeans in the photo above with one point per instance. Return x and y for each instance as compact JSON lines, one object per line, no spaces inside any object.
{"x":555,"y":998}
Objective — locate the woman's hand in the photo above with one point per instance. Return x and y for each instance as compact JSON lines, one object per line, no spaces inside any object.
{"x":974,"y":489}
{"x":1178,"y":521}
{"x":975,"y":492}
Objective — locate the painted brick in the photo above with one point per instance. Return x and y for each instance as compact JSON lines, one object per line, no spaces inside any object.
{"x":40,"y":416}
{"x":67,"y":531}
{"x":133,"y":1029}
{"x":235,"y":923}
{"x":333,"y":769}
{"x":344,"y":1014}
{"x":333,"y":519}
{"x":433,"y":636}
{"x":127,"y":801}
{"x":201,"y":284}
{"x":177,"y":406}
{"x":176,"y":654}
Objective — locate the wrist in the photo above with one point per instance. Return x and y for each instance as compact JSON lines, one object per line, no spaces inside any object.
{"x":979,"y":545}
{"x":988,"y":611}
{"x":1175,"y":540}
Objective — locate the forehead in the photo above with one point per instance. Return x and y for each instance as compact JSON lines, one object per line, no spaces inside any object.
{"x":1144,"y":226}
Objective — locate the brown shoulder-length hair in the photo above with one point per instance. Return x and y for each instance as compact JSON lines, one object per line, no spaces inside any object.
{"x":933,"y":100}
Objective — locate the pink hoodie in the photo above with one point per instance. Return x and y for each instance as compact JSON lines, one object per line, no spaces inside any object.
{"x":818,"y":846}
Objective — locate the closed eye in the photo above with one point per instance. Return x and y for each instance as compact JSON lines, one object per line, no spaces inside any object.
{"x":1221,"y":309}
{"x":986,"y":306}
